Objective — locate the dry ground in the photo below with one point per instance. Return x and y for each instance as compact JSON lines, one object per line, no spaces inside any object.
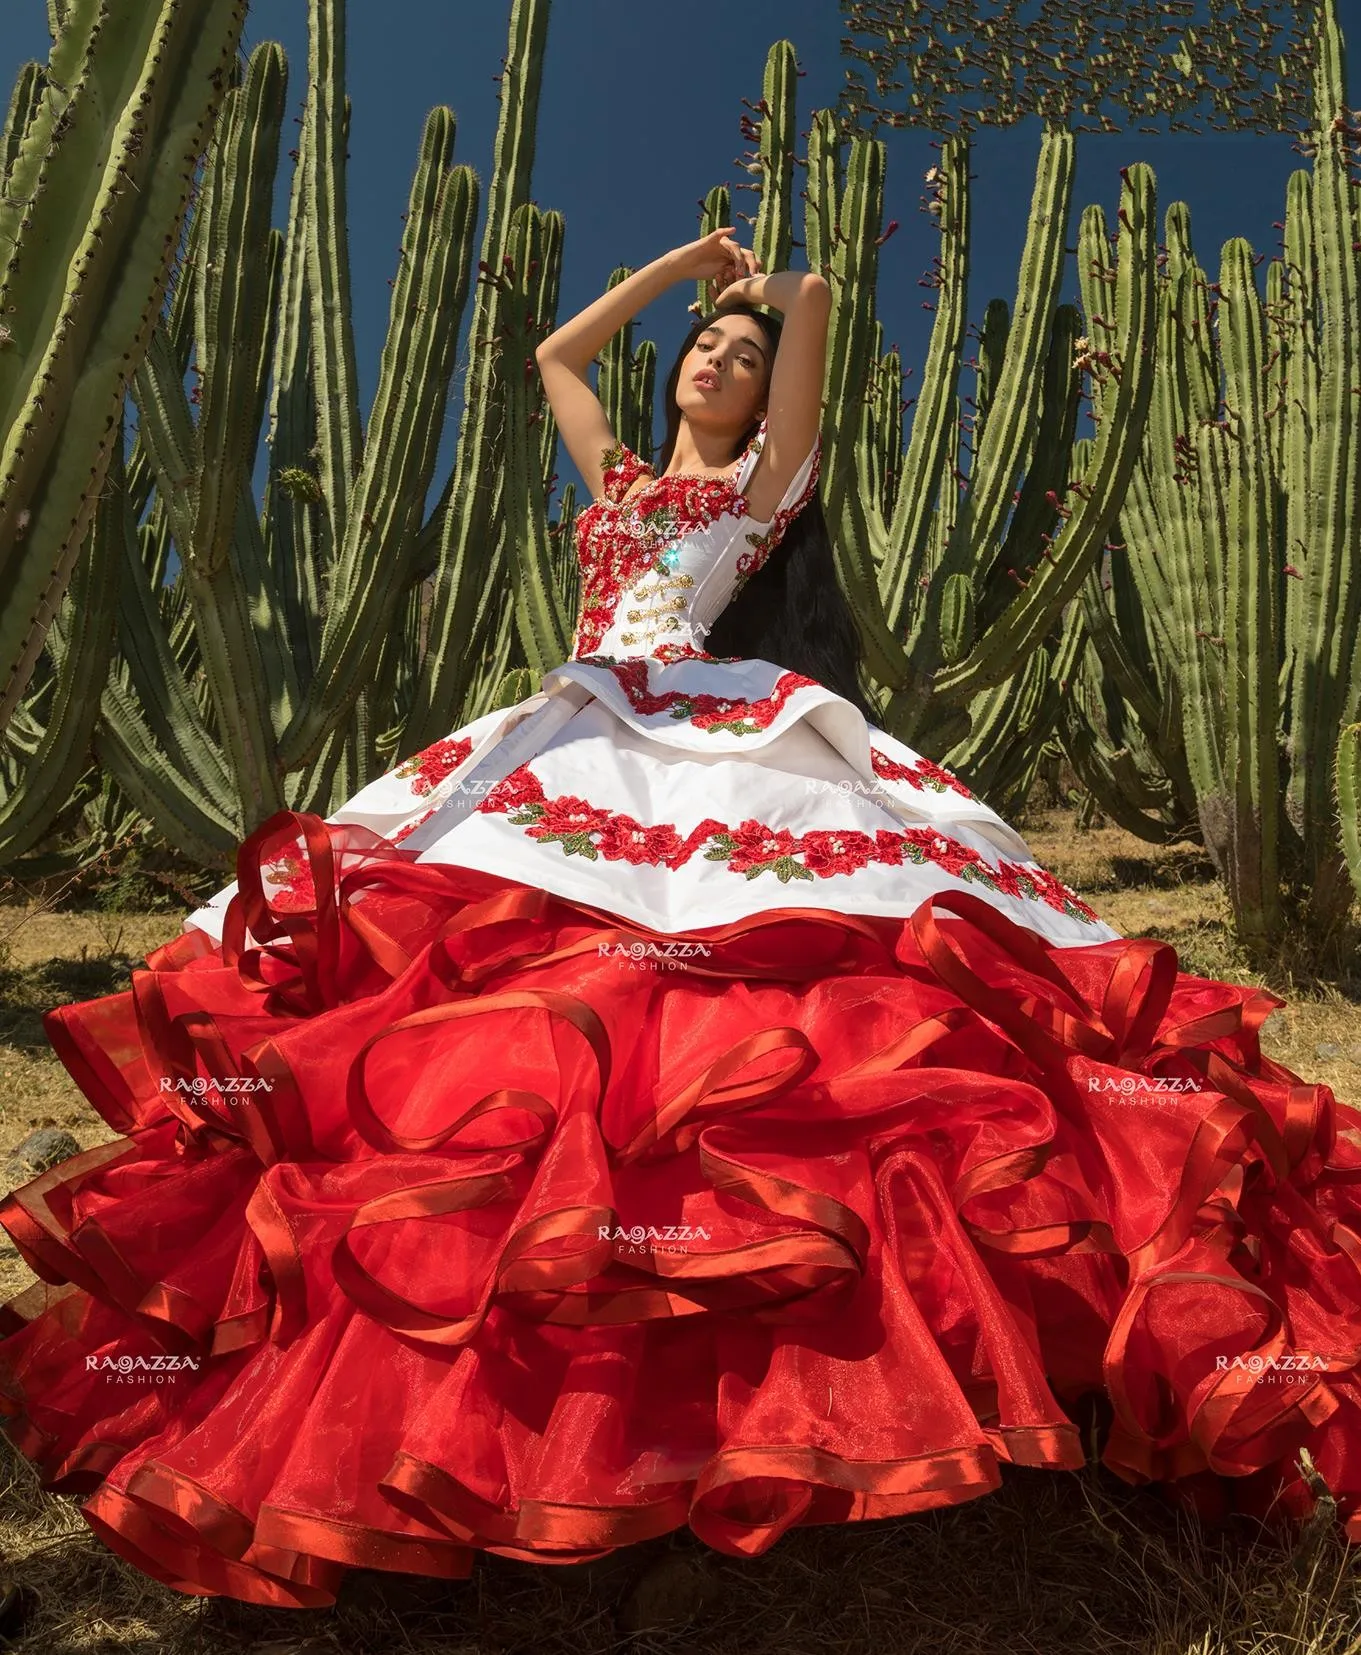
{"x":1067,"y":1564}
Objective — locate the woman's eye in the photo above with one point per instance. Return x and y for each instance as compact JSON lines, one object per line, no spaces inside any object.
{"x":746,"y":361}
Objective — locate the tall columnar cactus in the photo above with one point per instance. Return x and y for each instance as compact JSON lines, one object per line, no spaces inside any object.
{"x":471,"y":573}
{"x":952,"y":606}
{"x":100,"y":150}
{"x":1242,"y":539}
{"x":291,"y":656}
{"x":1347,"y":771}
{"x":1324,"y":615}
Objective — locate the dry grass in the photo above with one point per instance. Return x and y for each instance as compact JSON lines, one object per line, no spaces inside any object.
{"x":1050,"y":1564}
{"x":1171,"y":892}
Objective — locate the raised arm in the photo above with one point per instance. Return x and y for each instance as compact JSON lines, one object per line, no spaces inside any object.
{"x":565,"y":359}
{"x":794,"y":401}
{"x":566,"y":355}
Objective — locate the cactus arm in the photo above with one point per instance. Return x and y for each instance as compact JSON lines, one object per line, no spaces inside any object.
{"x":1115,"y":449}
{"x":81,"y":643}
{"x":297,"y":533}
{"x":471,"y":560}
{"x":1002,"y":446}
{"x":1327,"y":694}
{"x":90,"y":226}
{"x":1035,"y":518}
{"x":859,"y":533}
{"x":544,"y":624}
{"x":1110,"y":781}
{"x":24,"y":104}
{"x":1347,"y":781}
{"x":926,"y":463}
{"x":155,"y":676}
{"x":237,"y":626}
{"x":231,"y":292}
{"x":1251,"y":624}
{"x":373,"y":566}
{"x":1298,"y":386}
{"x":193,"y":822}
{"x":339,"y":434}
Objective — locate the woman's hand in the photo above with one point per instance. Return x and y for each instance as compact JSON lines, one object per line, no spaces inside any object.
{"x":717,"y":259}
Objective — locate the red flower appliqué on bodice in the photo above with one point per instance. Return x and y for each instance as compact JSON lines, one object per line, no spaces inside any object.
{"x":643,"y":559}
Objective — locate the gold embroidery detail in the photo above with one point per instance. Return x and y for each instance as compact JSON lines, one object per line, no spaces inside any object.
{"x":642,"y":592}
{"x":636,"y":615}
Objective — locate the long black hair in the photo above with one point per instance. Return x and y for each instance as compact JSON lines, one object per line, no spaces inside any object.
{"x":792,"y":611}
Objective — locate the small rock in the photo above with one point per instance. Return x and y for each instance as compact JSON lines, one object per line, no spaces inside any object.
{"x":38,"y":1151}
{"x":674,"y":1590}
{"x":1354,"y":1052}
{"x":1328,"y":1050}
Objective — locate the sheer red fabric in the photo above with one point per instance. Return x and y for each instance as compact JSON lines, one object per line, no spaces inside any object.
{"x":450,"y":1215}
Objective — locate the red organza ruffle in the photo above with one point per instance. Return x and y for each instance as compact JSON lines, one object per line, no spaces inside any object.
{"x":452,"y":1215}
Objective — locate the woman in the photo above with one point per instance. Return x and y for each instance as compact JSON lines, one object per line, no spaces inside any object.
{"x":669,"y":1100}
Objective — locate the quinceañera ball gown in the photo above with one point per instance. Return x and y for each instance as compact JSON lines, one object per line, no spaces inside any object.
{"x":665,"y":1101}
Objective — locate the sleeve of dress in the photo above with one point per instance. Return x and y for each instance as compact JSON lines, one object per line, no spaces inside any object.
{"x":760,"y":543}
{"x":622,"y":468}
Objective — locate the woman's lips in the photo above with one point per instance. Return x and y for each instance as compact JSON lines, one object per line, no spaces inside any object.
{"x":706,"y":381}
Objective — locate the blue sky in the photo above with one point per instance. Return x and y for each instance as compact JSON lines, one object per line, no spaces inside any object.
{"x":638,"y":120}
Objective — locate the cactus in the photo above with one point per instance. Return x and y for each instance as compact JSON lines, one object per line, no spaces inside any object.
{"x":920,"y":583}
{"x":293,"y":655}
{"x":1243,"y":543}
{"x":297,"y":649}
{"x":1347,"y":780}
{"x":100,"y":150}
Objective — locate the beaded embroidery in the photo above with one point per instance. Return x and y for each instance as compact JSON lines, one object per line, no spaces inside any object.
{"x":427,"y":769}
{"x":622,"y":538}
{"x":616,"y":548}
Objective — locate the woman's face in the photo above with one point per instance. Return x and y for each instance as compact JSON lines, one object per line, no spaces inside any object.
{"x":723,"y":379}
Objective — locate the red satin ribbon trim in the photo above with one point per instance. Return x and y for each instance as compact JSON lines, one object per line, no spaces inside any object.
{"x":575,"y":1012}
{"x":715,"y":1092}
{"x":306,"y":1535}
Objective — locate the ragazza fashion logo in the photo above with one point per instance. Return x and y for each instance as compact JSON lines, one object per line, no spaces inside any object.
{"x":157,"y":1369}
{"x":228,"y":1086}
{"x":850,"y":788}
{"x":652,"y":1238}
{"x":654,"y":956}
{"x":1128,"y":1085}
{"x":1287,"y":1369}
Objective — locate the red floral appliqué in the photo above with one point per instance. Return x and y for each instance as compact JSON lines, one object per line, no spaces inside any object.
{"x":297,"y":891}
{"x":705,"y":711}
{"x":427,"y":769}
{"x":413,"y":824}
{"x":752,"y":848}
{"x":922,"y":774}
{"x":617,"y":547}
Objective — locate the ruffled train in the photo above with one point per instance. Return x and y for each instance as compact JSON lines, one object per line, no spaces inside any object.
{"x":451,"y":1215}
